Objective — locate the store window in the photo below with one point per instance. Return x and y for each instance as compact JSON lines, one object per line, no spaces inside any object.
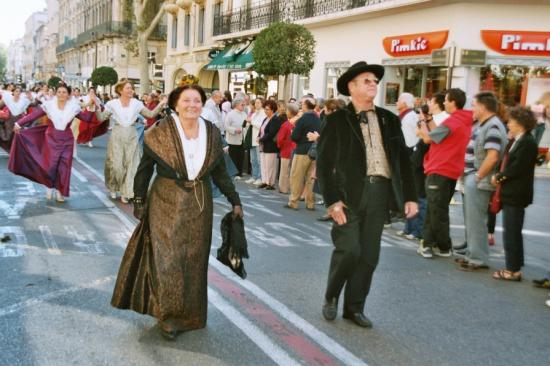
{"x":413,"y":80}
{"x":510,"y":82}
{"x":436,"y":81}
{"x":333,"y":70}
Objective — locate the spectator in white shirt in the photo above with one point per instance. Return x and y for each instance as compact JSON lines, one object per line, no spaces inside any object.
{"x":212,"y":112}
{"x":409,"y":119}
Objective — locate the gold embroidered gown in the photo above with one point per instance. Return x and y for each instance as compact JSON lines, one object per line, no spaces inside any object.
{"x":164,"y":269}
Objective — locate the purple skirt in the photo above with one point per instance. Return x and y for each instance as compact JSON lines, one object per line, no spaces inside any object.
{"x":44,"y":155}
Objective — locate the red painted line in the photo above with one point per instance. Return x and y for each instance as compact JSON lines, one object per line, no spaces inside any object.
{"x":298,"y":343}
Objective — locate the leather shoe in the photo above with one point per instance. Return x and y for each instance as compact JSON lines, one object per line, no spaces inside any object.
{"x":358,"y":318}
{"x":330,"y":309}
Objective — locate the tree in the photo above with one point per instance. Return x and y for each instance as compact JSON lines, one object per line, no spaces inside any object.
{"x":104,"y":76}
{"x":284,"y":49}
{"x":148,"y":15}
{"x":53,"y":82}
{"x":3,"y":61}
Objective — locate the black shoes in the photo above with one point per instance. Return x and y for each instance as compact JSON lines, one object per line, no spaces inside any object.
{"x":262,"y":186}
{"x":359,"y":319}
{"x":330,"y":309}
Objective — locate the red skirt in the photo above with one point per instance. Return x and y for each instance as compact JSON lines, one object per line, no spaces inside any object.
{"x":88,"y":131}
{"x":44,"y":155}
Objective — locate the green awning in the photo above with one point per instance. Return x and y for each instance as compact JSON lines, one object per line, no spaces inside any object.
{"x":235,"y":57}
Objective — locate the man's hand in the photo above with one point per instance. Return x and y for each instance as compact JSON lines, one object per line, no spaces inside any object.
{"x":238,"y":211}
{"x":312,"y":136}
{"x":336,"y":211}
{"x":411,"y":209}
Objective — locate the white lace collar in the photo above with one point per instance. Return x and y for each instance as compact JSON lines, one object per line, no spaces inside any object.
{"x":61,"y":117}
{"x":16,"y":108}
{"x":126,"y":116}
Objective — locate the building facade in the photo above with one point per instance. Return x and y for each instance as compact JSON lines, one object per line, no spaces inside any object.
{"x":94,"y":33}
{"x":479,"y":45}
{"x":33,"y":26}
{"x":14,"y":67}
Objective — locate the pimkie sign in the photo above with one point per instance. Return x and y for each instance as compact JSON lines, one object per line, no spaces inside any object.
{"x":522,"y":43}
{"x":415,"y":44}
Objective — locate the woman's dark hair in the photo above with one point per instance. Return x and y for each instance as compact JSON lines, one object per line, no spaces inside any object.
{"x":425,"y":109}
{"x":309,"y":103}
{"x":271,"y":104}
{"x":175,"y":95}
{"x":227,"y":96}
{"x":524,"y":117}
{"x":92,"y":88}
{"x":61,"y":84}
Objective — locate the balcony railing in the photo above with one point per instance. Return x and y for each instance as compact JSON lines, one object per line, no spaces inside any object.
{"x":262,"y":14}
{"x":109,"y":29}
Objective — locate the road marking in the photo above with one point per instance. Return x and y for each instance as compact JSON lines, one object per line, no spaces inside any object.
{"x":316,"y":335}
{"x":11,"y":249}
{"x":52,"y":295}
{"x":80,"y":177}
{"x":91,"y":169}
{"x":13,"y":211}
{"x":85,"y":240}
{"x":49,"y":240}
{"x":273,"y":351}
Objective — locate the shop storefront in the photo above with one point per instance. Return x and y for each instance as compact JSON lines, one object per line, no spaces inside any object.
{"x":522,"y":74}
{"x":409,"y":69}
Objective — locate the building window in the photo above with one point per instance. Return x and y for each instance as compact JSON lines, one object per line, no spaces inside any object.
{"x":187,"y":29}
{"x":174,"y":32}
{"x":201,"y":26}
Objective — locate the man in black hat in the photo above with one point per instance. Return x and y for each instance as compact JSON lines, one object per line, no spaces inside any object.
{"x":362,"y":160}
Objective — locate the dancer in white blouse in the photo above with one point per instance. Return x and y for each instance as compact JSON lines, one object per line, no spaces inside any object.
{"x":123,"y":150}
{"x":17,"y":104}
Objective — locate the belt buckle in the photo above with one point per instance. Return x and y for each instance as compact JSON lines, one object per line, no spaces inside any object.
{"x":372,"y":179}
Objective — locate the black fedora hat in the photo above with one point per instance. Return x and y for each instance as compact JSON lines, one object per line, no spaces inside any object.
{"x":354,"y":70}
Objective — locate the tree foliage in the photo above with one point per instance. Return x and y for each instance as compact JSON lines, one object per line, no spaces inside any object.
{"x":3,"y":60}
{"x":53,"y":82}
{"x":284,"y":49}
{"x":104,"y":75}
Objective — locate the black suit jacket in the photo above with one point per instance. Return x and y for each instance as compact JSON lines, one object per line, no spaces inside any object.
{"x":341,"y":159}
{"x":268,"y":141}
{"x":519,"y":174}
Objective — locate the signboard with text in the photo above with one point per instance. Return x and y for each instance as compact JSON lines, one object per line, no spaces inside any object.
{"x":520,"y":43}
{"x":415,"y":44}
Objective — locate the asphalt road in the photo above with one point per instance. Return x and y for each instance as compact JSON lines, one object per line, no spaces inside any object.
{"x":57,"y":275}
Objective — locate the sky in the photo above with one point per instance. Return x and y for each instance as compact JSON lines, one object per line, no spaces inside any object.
{"x":13,"y":15}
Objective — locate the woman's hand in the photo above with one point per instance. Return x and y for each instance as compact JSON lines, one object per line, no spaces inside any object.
{"x":494,"y":180}
{"x":139,"y":209}
{"x":238,"y":211}
{"x":16,"y":128}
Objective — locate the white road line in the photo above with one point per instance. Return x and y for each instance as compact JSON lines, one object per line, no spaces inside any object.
{"x":91,"y":169}
{"x":321,"y":338}
{"x":272,"y":350}
{"x":80,"y":177}
{"x":49,"y":240}
{"x":52,"y":295}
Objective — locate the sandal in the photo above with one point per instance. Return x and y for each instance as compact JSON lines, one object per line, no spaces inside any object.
{"x":506,"y":275}
{"x":542,"y":283}
{"x":461,"y":261}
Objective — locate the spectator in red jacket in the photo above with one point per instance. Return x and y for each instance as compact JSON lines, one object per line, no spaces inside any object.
{"x":286,"y":146}
{"x":151,"y":105}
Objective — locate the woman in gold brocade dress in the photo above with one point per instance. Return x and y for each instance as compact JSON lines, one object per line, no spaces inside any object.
{"x":164,"y":269}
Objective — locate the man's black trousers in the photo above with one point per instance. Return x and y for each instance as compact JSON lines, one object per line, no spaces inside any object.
{"x":357,"y":246}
